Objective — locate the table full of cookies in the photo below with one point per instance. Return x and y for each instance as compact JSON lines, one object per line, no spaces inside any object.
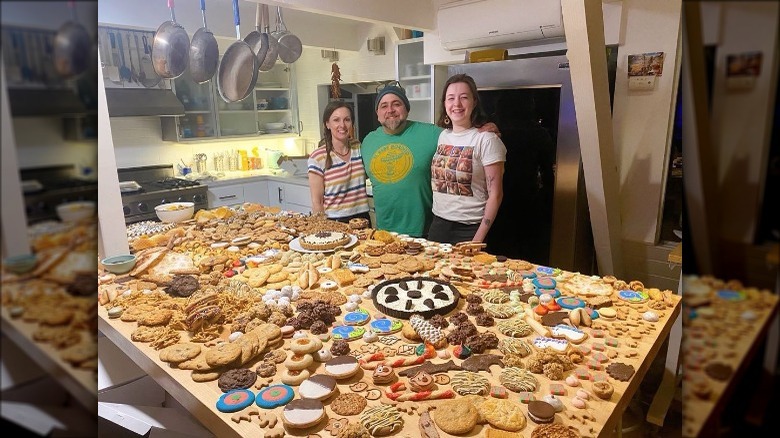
{"x":393,"y":336}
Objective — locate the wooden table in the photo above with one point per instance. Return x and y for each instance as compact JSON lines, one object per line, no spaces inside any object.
{"x":200,"y":398}
{"x":81,"y":384}
{"x":724,"y":338}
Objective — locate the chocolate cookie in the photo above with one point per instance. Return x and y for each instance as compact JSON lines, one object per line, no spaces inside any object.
{"x":541,"y":412}
{"x":481,"y":362}
{"x":183,"y":285}
{"x":620,"y":371}
{"x":719,"y":371}
{"x":554,"y":318}
{"x":241,"y":378}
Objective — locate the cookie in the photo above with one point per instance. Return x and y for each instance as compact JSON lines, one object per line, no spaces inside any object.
{"x":518,"y":379}
{"x":381,"y":420}
{"x":305,"y":345}
{"x":293,"y":377}
{"x":298,"y":361}
{"x":318,"y":387}
{"x":275,"y":356}
{"x":541,"y":412}
{"x":503,"y":414}
{"x":274,"y":396}
{"x":466,"y":382}
{"x":515,"y":328}
{"x":620,"y":371}
{"x":266,"y":369}
{"x":241,"y":378}
{"x":223,"y":354}
{"x":348,"y":404}
{"x":455,"y":417}
{"x":205,"y":376}
{"x":556,"y":430}
{"x":250,"y":346}
{"x":603,"y":389}
{"x":235,"y":401}
{"x":303,"y":413}
{"x":342,"y":367}
{"x":481,"y":362}
{"x":179,"y":352}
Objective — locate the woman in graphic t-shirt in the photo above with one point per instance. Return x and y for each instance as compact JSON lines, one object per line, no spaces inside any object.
{"x":337,"y":178}
{"x":468,"y":168}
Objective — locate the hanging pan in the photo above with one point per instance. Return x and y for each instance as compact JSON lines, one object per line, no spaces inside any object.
{"x":273,"y":45}
{"x":238,"y":69}
{"x":289,"y":45}
{"x":170,"y":48}
{"x":204,"y":51}
{"x":72,"y":47}
{"x":258,"y":40}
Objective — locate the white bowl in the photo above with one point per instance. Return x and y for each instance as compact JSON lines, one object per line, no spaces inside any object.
{"x":76,"y":211}
{"x":275,"y":126}
{"x":175,"y":211}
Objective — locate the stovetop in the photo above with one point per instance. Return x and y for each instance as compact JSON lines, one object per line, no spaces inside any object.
{"x":47,"y":187}
{"x":158,"y":185}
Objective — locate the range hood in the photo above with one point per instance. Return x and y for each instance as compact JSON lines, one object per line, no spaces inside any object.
{"x":41,"y":102}
{"x":127,"y":102}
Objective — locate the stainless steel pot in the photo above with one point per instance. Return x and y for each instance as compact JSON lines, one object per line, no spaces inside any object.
{"x":238,"y":69}
{"x":204,"y":51}
{"x":170,"y":48}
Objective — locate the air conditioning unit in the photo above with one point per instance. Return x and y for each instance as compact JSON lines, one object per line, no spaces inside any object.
{"x":465,"y":24}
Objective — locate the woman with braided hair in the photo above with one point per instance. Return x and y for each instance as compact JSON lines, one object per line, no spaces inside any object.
{"x":337,"y":178}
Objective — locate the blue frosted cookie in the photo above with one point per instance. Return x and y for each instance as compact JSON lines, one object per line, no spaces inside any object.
{"x":274,"y":396}
{"x":235,"y":400}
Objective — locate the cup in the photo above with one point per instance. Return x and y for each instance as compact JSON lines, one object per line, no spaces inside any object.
{"x":186,"y":170}
{"x":410,"y":69}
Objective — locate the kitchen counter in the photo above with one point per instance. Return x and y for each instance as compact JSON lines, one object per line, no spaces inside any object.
{"x":242,"y":177}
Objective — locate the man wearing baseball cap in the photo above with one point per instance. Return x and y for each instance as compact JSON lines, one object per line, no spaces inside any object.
{"x":397,"y":157}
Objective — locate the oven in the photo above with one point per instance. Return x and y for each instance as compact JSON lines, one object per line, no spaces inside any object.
{"x":143,"y":188}
{"x":44,"y":188}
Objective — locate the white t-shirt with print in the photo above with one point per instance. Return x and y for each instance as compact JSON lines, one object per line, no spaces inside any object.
{"x":458,"y":173}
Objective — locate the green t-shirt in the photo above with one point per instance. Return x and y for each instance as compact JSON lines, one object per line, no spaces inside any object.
{"x":399,"y":167}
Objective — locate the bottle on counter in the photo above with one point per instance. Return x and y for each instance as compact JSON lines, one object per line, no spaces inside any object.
{"x":243,"y":159}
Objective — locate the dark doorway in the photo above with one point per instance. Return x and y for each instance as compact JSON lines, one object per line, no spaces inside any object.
{"x":528,"y":121}
{"x":366,"y":116}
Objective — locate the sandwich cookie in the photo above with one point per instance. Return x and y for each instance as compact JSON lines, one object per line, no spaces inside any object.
{"x":541,"y":412}
{"x":317,"y":387}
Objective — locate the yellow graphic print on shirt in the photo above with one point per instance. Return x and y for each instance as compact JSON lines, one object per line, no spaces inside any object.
{"x":391,"y":163}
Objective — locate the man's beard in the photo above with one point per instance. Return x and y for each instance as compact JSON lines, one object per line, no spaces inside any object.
{"x":393,"y":124}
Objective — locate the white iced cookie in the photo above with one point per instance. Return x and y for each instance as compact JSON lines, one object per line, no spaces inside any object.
{"x":554,"y":401}
{"x":749,"y":315}
{"x":354,"y":298}
{"x":351,"y":306}
{"x":370,"y":337}
{"x":650,"y":316}
{"x":568,"y":332}
{"x":558,"y":345}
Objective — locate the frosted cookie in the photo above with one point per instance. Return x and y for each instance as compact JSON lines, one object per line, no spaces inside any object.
{"x":556,"y":345}
{"x":381,"y":420}
{"x":235,"y":401}
{"x":347,"y":332}
{"x":318,"y":387}
{"x":357,"y":317}
{"x":404,"y":297}
{"x":298,"y":361}
{"x":385,"y":326}
{"x":303,"y":413}
{"x":342,"y":367}
{"x":274,"y":396}
{"x":572,"y":334}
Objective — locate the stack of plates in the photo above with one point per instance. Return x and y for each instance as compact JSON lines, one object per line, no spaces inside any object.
{"x":129,"y":186}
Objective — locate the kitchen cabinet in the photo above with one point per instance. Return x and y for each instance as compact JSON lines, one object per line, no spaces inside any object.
{"x":290,"y":197}
{"x":256,"y":192}
{"x":198,"y":122}
{"x":226,"y":195}
{"x":423,"y":83}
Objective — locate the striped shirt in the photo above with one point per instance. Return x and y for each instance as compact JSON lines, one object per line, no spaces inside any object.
{"x":345,"y":182}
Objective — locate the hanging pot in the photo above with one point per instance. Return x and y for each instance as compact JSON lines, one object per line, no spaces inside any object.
{"x":204,"y":51}
{"x":72,"y":47}
{"x":273,"y":45}
{"x":290,"y":47}
{"x":238,"y":69}
{"x":170,"y":48}
{"x":257,"y":39}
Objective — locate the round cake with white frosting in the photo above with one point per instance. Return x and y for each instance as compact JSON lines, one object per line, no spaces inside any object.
{"x":324,"y":240}
{"x":404,"y":297}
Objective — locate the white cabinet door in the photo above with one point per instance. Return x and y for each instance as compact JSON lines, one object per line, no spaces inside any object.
{"x":297,"y":198}
{"x":256,"y":192}
{"x":275,"y":194}
{"x":226,"y":195}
